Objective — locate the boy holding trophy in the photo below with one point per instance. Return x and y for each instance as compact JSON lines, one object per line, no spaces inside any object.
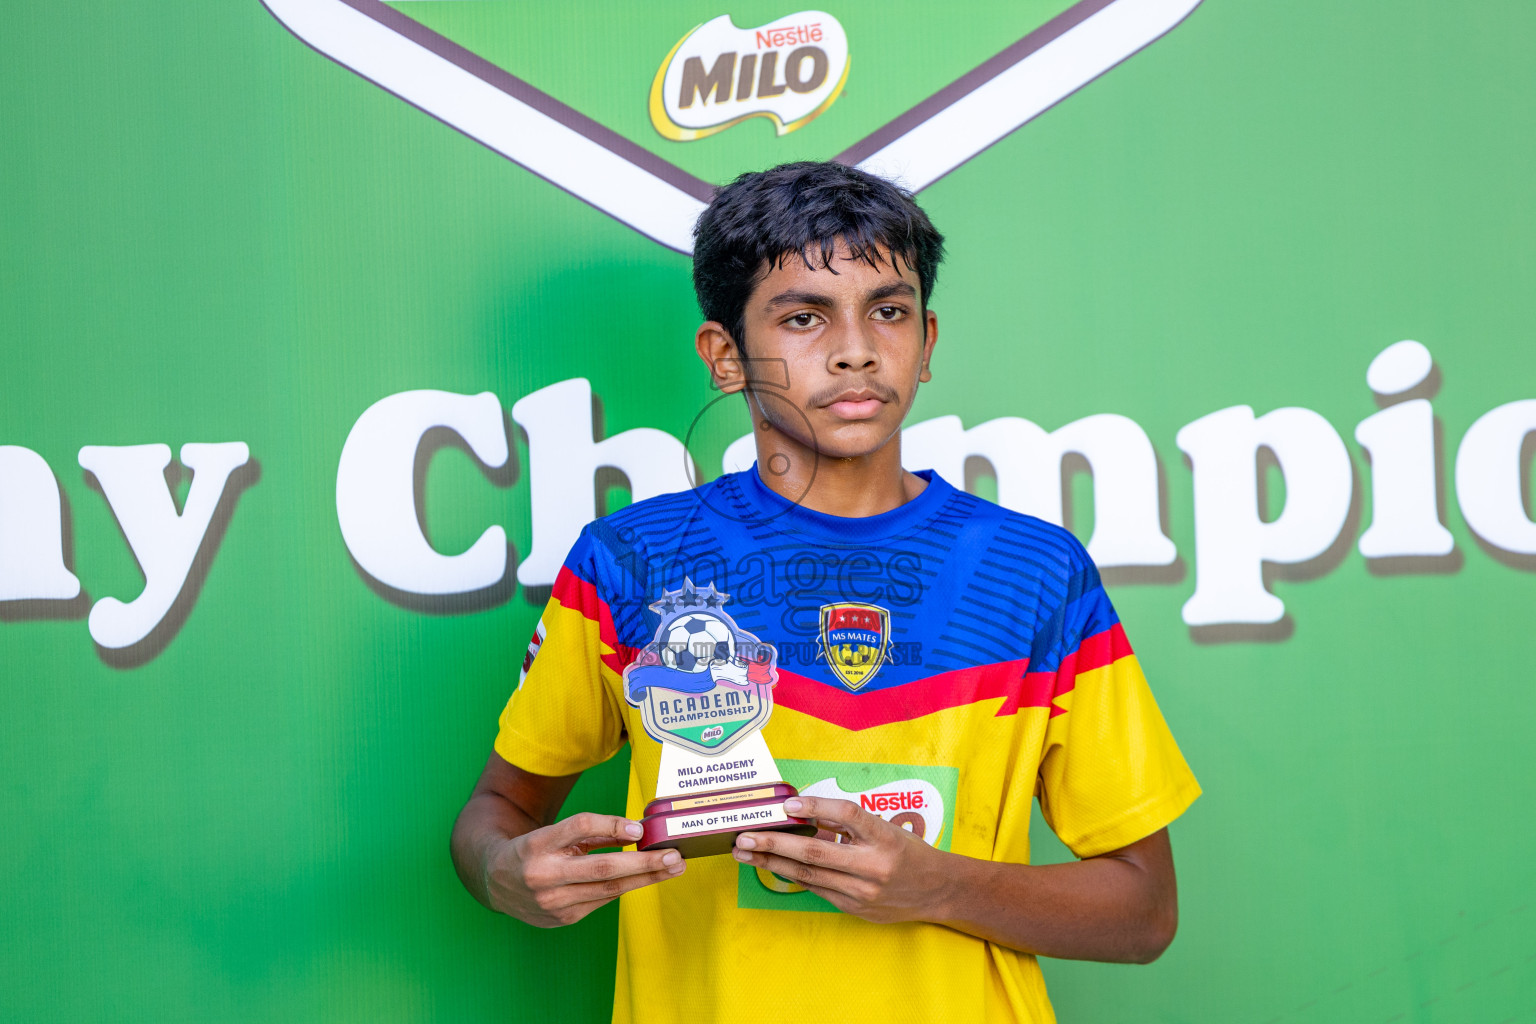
{"x":843,"y":684}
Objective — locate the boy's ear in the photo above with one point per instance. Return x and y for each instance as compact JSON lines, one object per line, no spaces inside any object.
{"x":719,"y":352}
{"x":930,"y":338}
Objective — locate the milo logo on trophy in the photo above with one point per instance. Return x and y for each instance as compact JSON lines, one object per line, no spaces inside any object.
{"x":704,"y":688}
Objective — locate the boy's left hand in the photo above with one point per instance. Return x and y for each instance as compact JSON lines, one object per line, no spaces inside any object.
{"x":878,"y":871}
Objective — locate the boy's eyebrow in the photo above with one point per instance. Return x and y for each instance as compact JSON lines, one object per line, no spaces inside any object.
{"x":894,"y":288}
{"x":798,"y":298}
{"x":794,"y":298}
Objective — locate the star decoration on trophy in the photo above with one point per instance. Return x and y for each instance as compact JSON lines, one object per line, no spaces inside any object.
{"x":689,"y":596}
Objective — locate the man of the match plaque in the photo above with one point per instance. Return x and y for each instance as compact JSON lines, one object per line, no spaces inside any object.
{"x":704,"y":688}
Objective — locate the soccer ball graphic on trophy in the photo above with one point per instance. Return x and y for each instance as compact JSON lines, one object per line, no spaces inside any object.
{"x":697,"y":642}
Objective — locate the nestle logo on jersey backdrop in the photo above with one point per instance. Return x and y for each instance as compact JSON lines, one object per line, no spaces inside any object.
{"x":913,"y":804}
{"x":918,"y":798}
{"x":717,"y":75}
{"x":911,"y":801}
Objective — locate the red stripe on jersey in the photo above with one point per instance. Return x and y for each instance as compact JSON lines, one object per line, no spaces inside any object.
{"x":1097,"y":651}
{"x":1006,"y":679}
{"x":577,"y":594}
{"x":901,"y":703}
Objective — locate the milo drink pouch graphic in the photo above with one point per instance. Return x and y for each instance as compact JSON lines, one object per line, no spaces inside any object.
{"x":919,"y":798}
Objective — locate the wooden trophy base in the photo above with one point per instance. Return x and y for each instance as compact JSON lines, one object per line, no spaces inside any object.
{"x":706,"y":824}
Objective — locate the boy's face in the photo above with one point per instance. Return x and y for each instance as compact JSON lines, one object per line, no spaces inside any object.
{"x":851,"y":347}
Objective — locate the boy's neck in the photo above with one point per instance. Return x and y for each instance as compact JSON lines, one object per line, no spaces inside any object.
{"x":855,"y":488}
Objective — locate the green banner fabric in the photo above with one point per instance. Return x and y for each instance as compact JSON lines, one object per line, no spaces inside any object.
{"x":327,"y":323}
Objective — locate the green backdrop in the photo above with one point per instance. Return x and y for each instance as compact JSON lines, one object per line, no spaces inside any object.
{"x":212,"y":233}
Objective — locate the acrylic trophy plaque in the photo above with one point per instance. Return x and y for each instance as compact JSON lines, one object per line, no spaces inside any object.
{"x":704,"y":688}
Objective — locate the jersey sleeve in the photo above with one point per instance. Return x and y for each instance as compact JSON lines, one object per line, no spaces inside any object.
{"x":565,"y":716}
{"x":1111,"y":772}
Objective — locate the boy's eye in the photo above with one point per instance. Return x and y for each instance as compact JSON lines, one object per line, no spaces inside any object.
{"x":803,"y":319}
{"x":888,"y":313}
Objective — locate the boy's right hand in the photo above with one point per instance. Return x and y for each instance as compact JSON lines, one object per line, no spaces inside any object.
{"x":548,"y":878}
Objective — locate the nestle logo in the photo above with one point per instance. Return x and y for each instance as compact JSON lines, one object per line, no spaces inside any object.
{"x":788,"y":71}
{"x":911,"y":801}
{"x":775,"y":37}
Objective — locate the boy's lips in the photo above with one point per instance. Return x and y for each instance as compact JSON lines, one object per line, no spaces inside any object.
{"x":856,"y":410}
{"x":855,"y":405}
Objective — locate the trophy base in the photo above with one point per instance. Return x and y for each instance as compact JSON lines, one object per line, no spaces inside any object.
{"x":708,"y":824}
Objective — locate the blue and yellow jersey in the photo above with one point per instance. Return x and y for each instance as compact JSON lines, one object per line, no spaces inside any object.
{"x":943,"y":664}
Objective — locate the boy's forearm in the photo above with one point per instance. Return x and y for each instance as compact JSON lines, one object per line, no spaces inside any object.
{"x":507,"y":802}
{"x":1120,"y":907}
{"x":487,"y":820}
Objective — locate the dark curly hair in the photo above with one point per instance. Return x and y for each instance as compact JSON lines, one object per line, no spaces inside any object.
{"x":804,"y":209}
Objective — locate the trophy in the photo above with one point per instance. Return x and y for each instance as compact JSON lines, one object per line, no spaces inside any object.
{"x":704,"y":688}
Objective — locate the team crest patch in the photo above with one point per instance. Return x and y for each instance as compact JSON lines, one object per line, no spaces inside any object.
{"x":854,"y":638}
{"x":702,"y":682}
